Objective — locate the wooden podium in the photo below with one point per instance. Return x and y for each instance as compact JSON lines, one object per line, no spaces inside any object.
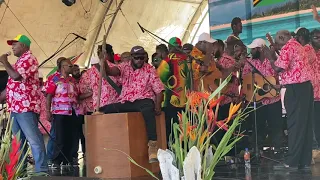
{"x":125,"y":132}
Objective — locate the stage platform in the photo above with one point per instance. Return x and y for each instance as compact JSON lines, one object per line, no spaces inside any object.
{"x":262,"y":172}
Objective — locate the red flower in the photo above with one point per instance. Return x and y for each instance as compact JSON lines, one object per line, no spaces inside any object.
{"x":213,"y":103}
{"x":13,"y":157}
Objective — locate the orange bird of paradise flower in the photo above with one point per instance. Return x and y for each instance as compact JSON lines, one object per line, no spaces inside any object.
{"x":232,"y":110}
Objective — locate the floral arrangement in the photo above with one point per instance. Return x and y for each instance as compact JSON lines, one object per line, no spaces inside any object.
{"x":191,"y":156}
{"x":10,"y":154}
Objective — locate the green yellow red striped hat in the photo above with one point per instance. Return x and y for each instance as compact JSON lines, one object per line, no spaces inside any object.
{"x":20,"y":38}
{"x":174,"y":41}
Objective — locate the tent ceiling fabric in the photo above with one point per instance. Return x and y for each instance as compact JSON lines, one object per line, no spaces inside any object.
{"x":49,"y":22}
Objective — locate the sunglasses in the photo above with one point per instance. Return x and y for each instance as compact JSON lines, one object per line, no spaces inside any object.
{"x":138,"y":57}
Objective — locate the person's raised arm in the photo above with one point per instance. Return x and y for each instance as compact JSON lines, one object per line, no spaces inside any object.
{"x":111,"y":71}
{"x":315,"y":13}
{"x":271,"y":56}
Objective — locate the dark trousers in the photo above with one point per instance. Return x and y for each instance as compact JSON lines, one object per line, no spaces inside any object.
{"x":145,"y":106}
{"x":65,"y":132}
{"x":78,"y":134}
{"x":316,"y":124}
{"x":269,"y":122}
{"x":223,"y":113}
{"x":299,"y":105}
{"x":171,"y":113}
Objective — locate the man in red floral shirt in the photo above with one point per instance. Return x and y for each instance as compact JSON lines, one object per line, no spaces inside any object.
{"x":269,"y":111}
{"x":292,"y":65}
{"x":62,"y":94}
{"x":141,"y":92}
{"x":108,"y":94}
{"x":315,"y":41}
{"x":51,"y":143}
{"x":22,"y":95}
{"x":302,"y":35}
{"x":230,"y":63}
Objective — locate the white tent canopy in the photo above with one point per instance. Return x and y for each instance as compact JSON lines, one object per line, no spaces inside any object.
{"x":47,"y":23}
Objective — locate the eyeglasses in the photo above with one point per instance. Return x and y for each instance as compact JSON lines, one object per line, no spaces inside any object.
{"x":156,"y":59}
{"x":138,"y":57}
{"x":316,"y":37}
{"x":70,"y":66}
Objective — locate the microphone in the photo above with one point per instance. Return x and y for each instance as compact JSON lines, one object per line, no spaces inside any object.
{"x":142,"y":29}
{"x":8,"y":53}
{"x":79,"y":36}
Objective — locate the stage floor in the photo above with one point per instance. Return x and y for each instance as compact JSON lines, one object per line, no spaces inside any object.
{"x":262,"y":172}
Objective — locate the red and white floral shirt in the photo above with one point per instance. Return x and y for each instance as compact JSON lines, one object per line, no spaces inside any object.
{"x":266,"y":69}
{"x":108,"y":94}
{"x":294,"y":61}
{"x":312,"y":58}
{"x":22,"y":96}
{"x":85,"y":87}
{"x":316,"y":80}
{"x":232,"y":90}
{"x":43,"y":115}
{"x":143,"y":83}
{"x":65,"y":93}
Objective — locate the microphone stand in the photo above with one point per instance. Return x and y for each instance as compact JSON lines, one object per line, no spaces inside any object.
{"x":54,"y":54}
{"x":178,"y":49}
{"x":256,"y":71}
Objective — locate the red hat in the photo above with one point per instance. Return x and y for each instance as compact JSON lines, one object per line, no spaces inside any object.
{"x":117,"y":57}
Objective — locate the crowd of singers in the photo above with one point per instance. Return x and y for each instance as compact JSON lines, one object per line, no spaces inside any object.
{"x":132,"y":84}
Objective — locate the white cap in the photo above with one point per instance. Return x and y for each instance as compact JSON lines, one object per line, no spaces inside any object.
{"x":40,"y":75}
{"x":206,"y":37}
{"x":295,"y":31}
{"x":94,"y":60}
{"x":257,"y":43}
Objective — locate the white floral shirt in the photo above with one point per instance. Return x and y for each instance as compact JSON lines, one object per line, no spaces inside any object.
{"x":22,"y":96}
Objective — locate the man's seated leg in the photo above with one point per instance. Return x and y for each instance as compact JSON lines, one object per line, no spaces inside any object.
{"x":111,"y":108}
{"x":147,"y":108}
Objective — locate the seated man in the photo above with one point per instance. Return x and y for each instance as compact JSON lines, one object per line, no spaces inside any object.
{"x":141,"y":92}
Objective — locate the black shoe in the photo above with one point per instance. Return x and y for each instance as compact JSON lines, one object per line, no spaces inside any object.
{"x":284,"y":167}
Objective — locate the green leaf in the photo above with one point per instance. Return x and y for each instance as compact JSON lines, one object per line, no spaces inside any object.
{"x":218,"y":90}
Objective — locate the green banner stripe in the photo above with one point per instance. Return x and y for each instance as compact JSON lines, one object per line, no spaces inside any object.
{"x":268,"y":2}
{"x":73,"y":60}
